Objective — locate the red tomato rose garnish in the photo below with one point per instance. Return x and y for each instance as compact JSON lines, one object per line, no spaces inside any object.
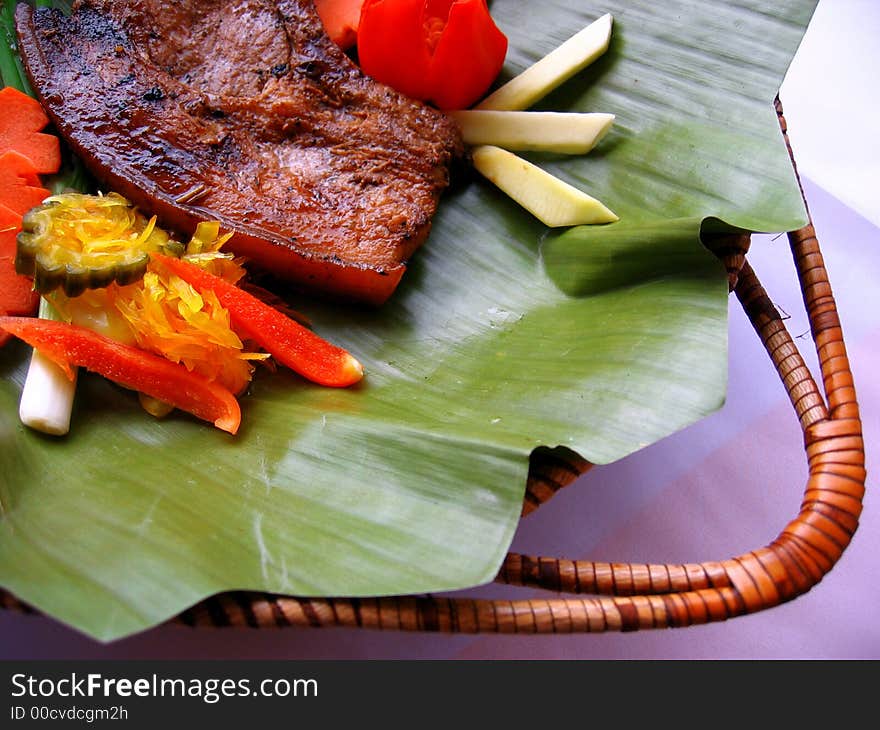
{"x":447,"y":52}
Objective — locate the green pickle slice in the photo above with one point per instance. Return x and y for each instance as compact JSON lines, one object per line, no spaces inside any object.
{"x":75,"y":242}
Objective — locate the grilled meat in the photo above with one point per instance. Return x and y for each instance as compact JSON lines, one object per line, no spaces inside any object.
{"x":244,"y":111}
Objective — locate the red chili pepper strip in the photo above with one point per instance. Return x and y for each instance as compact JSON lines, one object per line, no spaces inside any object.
{"x":286,"y":340}
{"x":69,"y":345}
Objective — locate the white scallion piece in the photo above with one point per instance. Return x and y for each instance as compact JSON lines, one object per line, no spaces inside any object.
{"x":555,"y":68}
{"x":47,"y":396}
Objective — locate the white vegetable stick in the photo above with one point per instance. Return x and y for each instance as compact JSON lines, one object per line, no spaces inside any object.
{"x":555,"y":68}
{"x":47,"y":397}
{"x":569,"y":133}
{"x":553,"y":201}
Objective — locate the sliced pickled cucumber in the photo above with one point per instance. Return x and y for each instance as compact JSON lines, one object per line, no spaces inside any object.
{"x":76,"y":242}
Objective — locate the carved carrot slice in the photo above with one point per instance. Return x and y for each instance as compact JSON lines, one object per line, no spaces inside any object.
{"x":20,"y":126}
{"x":286,"y":340}
{"x":16,"y":192}
{"x":16,"y":292}
{"x":69,"y":345}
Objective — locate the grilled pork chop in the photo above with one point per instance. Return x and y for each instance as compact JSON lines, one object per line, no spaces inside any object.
{"x":244,"y":111}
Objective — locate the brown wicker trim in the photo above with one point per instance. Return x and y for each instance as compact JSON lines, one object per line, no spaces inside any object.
{"x":549,"y":471}
{"x":731,"y":248}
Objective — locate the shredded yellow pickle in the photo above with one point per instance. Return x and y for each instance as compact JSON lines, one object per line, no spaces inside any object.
{"x":162,"y":313}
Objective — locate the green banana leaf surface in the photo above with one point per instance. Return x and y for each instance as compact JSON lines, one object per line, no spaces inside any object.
{"x":502,"y":337}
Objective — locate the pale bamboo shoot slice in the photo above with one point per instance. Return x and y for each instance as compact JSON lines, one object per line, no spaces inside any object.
{"x":567,"y":133}
{"x":553,"y":201}
{"x":555,"y":68}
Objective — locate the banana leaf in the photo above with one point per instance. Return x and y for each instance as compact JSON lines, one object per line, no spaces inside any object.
{"x":502,"y":337}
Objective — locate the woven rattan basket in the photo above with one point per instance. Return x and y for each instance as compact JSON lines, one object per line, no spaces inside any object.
{"x":623,"y":596}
